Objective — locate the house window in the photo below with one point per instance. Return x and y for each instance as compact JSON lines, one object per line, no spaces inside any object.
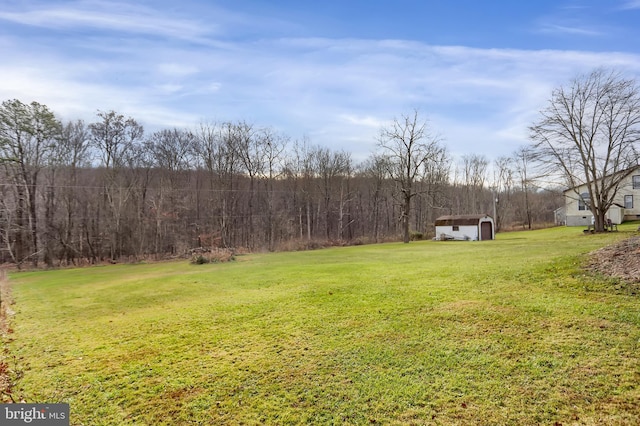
{"x":583,"y":201}
{"x":636,"y":181}
{"x":628,"y":201}
{"x":456,"y":228}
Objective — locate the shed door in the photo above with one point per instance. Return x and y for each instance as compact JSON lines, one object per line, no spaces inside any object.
{"x":485,"y":231}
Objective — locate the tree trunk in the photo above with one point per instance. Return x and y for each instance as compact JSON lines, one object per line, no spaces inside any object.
{"x":406,"y":210}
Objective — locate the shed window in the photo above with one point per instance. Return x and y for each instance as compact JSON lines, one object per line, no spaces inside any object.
{"x":628,"y":201}
{"x":583,"y":201}
{"x":456,"y":228}
{"x":636,"y":181}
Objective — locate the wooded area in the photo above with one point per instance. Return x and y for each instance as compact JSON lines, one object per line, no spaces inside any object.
{"x":74,"y":192}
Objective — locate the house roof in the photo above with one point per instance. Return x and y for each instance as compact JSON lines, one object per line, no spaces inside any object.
{"x":463,"y":219}
{"x":628,"y":171}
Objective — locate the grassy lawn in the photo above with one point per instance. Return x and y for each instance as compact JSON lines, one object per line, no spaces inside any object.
{"x":499,"y":332}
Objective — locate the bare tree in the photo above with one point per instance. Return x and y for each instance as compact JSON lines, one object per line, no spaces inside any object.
{"x":502,"y":187}
{"x":249,"y":149}
{"x":408,"y":145}
{"x":474,"y":171}
{"x":9,"y":229}
{"x":72,"y":155}
{"x":274,"y":145}
{"x":589,"y":133}
{"x":301,"y":173}
{"x":170,"y":153}
{"x":375,"y":172}
{"x":28,"y":134}
{"x":330,"y":168}
{"x":434,"y":182}
{"x":345,"y":218}
{"x":216,"y":148}
{"x":523,"y":159}
{"x":116,"y":138}
{"x":171,"y":150}
{"x":64,"y":199}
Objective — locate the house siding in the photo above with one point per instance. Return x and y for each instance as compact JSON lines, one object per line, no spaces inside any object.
{"x":617,"y":214}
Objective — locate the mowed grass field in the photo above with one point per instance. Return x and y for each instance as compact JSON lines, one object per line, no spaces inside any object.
{"x":508,"y":332}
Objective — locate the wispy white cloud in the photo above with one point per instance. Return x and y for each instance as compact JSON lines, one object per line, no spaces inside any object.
{"x":567,"y":29}
{"x":177,"y":69}
{"x":365,"y":121}
{"x":110,"y":16}
{"x":631,"y":4}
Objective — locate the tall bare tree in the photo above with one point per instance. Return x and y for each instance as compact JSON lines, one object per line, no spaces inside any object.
{"x":330,"y":167}
{"x":28,"y":134}
{"x":116,"y":137}
{"x":589,"y":132}
{"x":274,"y":145}
{"x":407,"y":144}
{"x":474,"y":171}
{"x":375,"y":172}
{"x":249,"y":148}
{"x":217,"y":150}
{"x":73,"y":156}
{"x":502,"y":189}
{"x":300,"y":172}
{"x":434,"y":182}
{"x":170,"y":152}
{"x":523,"y":159}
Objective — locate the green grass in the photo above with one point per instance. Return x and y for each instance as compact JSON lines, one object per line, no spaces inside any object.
{"x":499,"y":332}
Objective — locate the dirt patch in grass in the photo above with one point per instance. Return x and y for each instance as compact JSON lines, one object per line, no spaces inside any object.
{"x":6,"y":379}
{"x":620,"y":260}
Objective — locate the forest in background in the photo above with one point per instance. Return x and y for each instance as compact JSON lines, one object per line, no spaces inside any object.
{"x":74,"y":193}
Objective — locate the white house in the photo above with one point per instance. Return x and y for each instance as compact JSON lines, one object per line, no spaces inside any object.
{"x":626,"y":205}
{"x":471,"y":227}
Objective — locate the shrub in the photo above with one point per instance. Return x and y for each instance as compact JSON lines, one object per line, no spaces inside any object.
{"x":199,"y":260}
{"x":201,"y":257}
{"x":414,"y":236}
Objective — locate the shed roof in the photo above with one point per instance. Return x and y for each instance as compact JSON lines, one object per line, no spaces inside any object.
{"x":463,"y":219}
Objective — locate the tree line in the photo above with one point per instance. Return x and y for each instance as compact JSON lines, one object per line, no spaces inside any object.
{"x":75,"y":192}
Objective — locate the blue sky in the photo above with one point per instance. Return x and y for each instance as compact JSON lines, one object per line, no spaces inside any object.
{"x":332,"y":72}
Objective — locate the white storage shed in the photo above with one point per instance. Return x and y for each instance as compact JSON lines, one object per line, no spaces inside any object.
{"x":470,"y":227}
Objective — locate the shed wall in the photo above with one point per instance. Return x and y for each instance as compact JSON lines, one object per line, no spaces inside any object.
{"x":464,"y":232}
